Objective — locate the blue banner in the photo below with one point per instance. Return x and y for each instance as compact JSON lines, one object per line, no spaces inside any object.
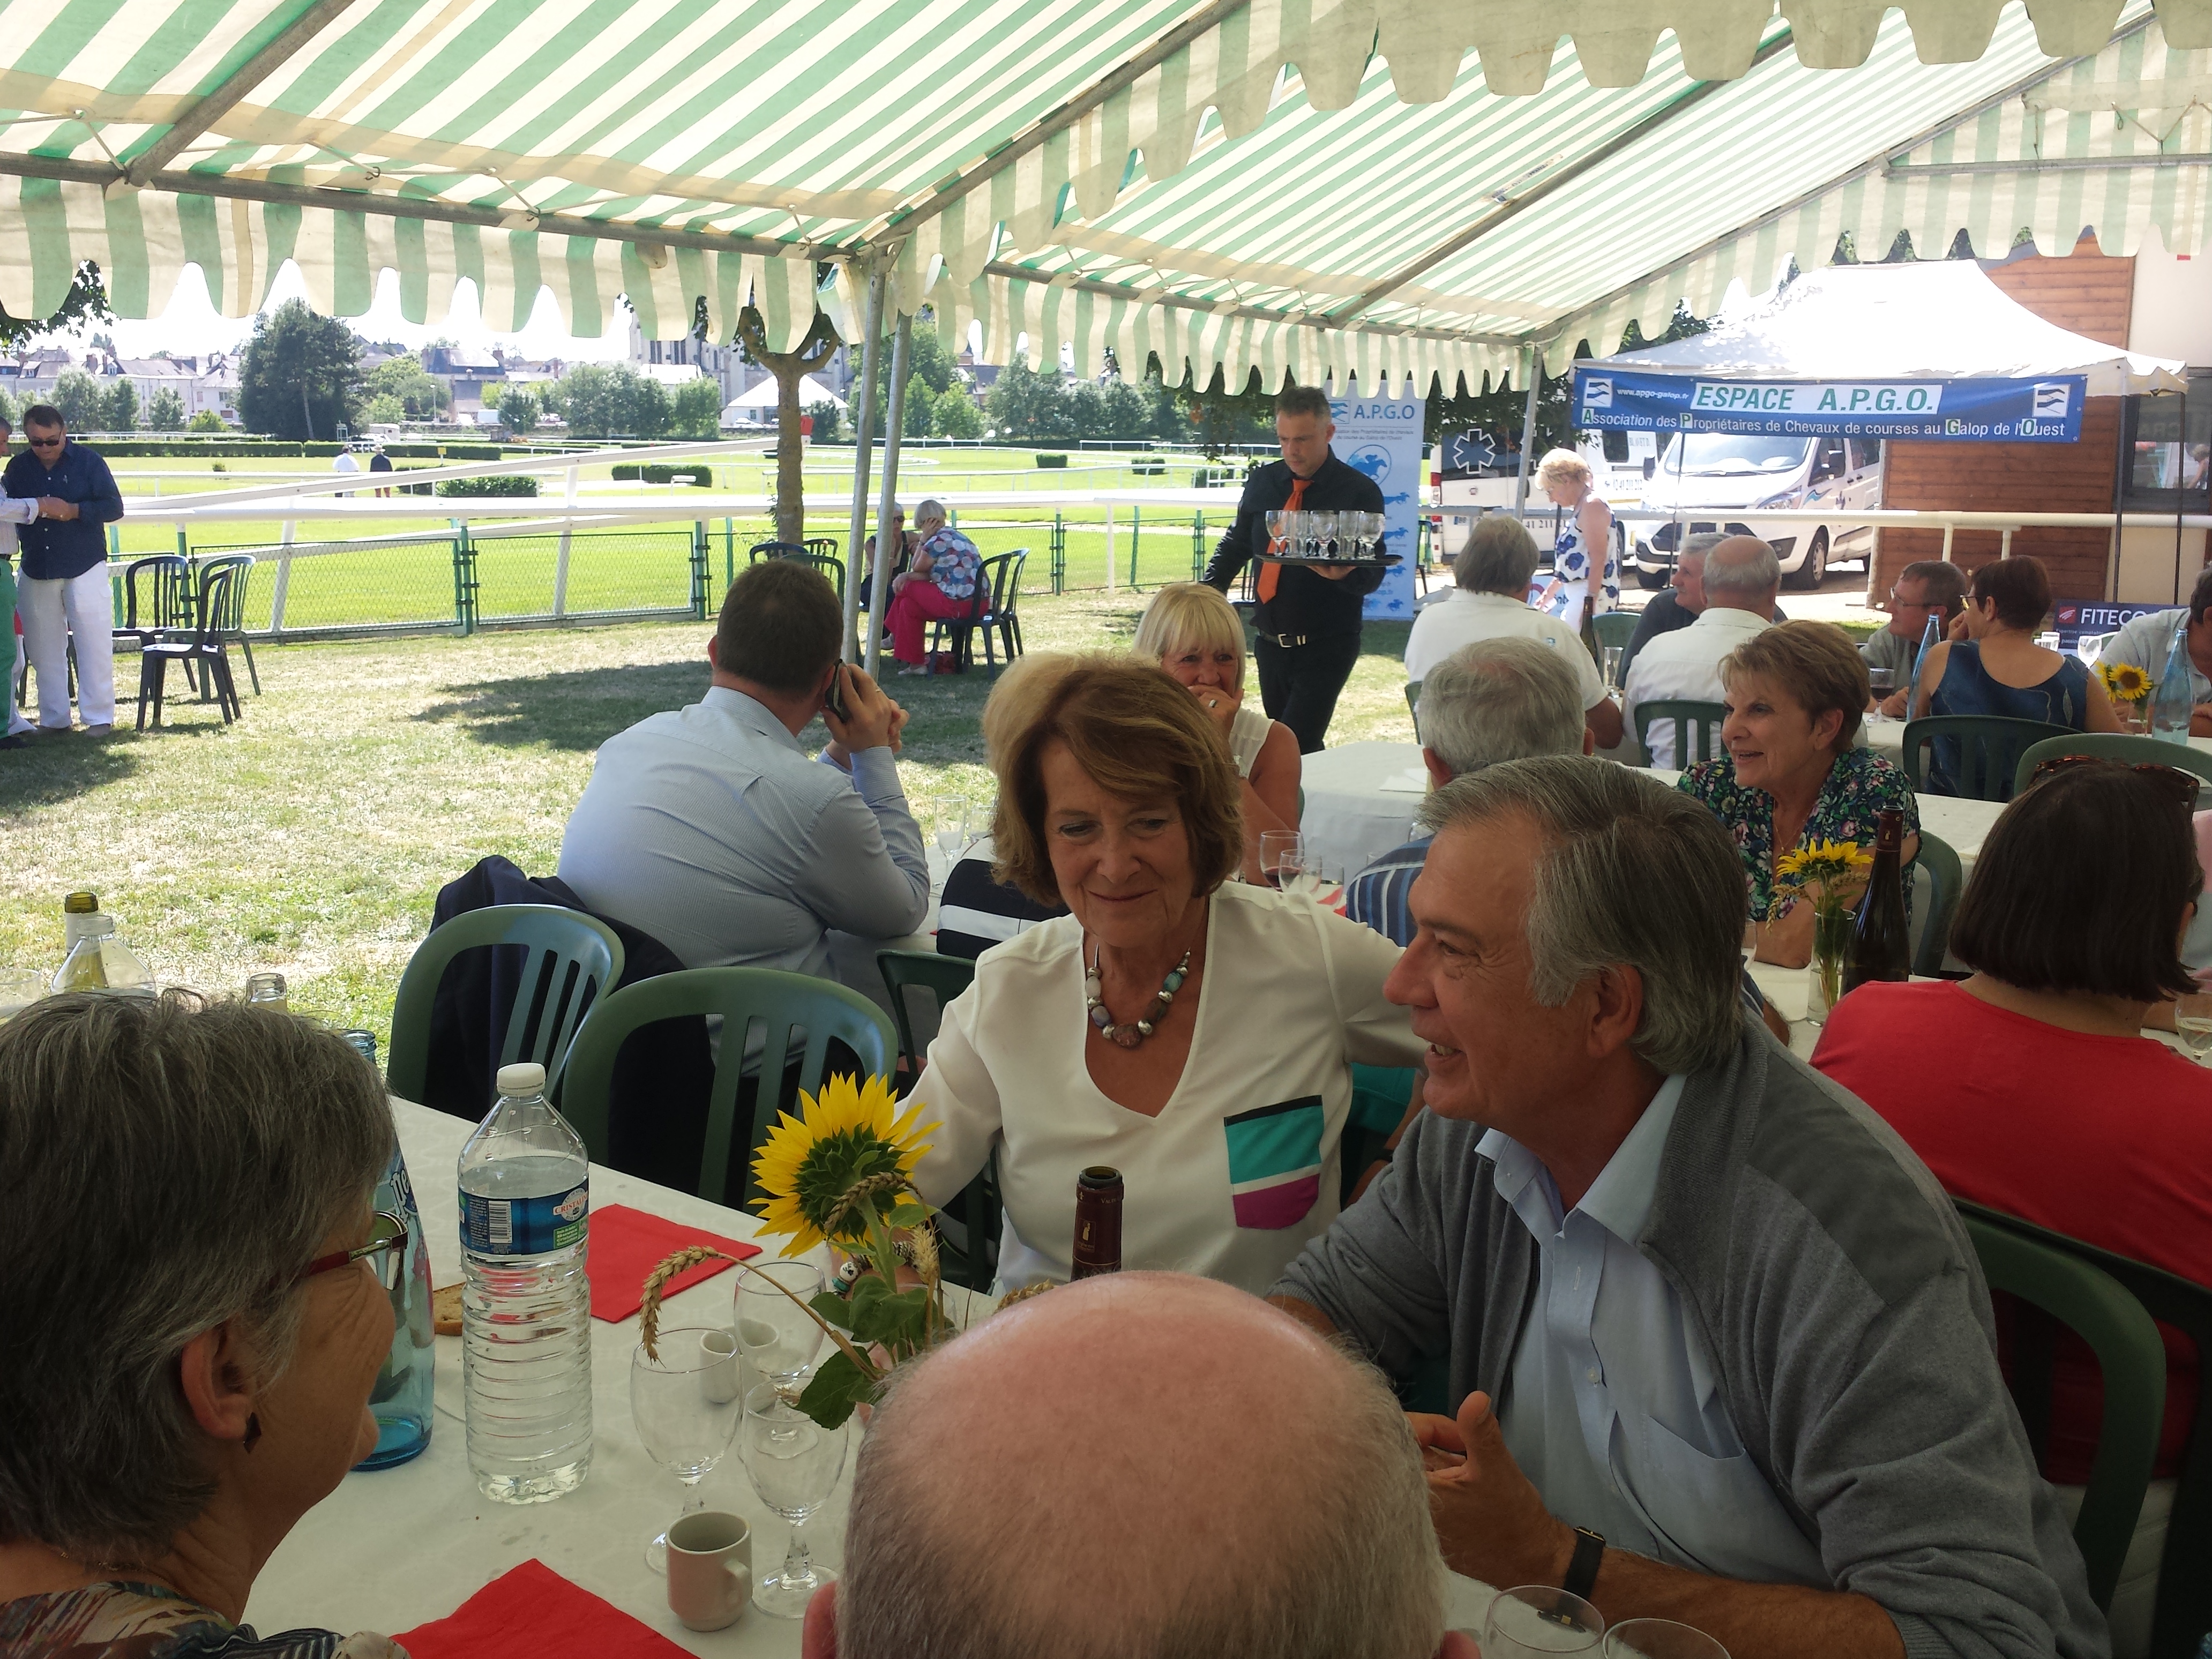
{"x":1965,"y":411}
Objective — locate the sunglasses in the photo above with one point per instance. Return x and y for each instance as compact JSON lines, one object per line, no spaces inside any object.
{"x":2182,"y":787}
{"x":45,"y":443}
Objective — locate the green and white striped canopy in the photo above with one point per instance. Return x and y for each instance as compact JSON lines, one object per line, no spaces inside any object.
{"x":1384,"y":187}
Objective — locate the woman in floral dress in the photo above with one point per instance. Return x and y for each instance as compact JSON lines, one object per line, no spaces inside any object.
{"x":1565,"y":477}
{"x":1791,"y":778}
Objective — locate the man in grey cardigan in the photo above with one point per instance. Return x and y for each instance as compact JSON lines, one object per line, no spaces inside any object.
{"x":1719,"y":1348}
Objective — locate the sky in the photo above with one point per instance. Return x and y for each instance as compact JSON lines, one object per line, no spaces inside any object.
{"x":192,"y":327}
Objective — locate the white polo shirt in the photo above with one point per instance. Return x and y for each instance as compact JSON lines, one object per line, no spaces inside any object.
{"x":1467,"y":617}
{"x":1685,"y":665}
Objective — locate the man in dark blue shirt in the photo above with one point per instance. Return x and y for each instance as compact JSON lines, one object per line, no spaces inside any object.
{"x":63,"y":590}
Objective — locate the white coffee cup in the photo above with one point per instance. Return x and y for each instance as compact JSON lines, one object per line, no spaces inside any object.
{"x":721,"y":1379}
{"x":710,"y":1569}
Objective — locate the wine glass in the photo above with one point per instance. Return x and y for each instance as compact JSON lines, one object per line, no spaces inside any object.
{"x":1660,"y":1638}
{"x":1282,"y":526}
{"x":1613,"y":656}
{"x":778,"y":1336}
{"x":682,"y":1424}
{"x":1883,"y":682}
{"x":1279,"y":848}
{"x":2192,"y":1022}
{"x":1534,"y":1620}
{"x":1370,"y":533}
{"x":19,"y":988}
{"x":1325,"y":530}
{"x":794,"y":1463}
{"x":951,"y":813}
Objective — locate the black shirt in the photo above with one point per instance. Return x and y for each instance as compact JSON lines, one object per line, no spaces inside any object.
{"x":1303,"y":603}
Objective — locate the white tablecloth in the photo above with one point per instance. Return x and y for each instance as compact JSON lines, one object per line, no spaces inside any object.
{"x":390,"y":1550}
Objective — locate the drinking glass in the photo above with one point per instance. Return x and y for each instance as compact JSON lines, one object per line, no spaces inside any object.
{"x":1613,"y":656}
{"x":1371,"y":526}
{"x":1884,"y":682}
{"x":2192,"y":1021}
{"x":778,"y":1337}
{"x":1281,"y":850}
{"x":682,"y":1425}
{"x":1535,"y":1620}
{"x":1302,"y":533}
{"x":19,"y":988}
{"x":1281,"y":528}
{"x":1325,"y":530}
{"x":794,"y":1463}
{"x":951,"y":815}
{"x":1660,"y":1638}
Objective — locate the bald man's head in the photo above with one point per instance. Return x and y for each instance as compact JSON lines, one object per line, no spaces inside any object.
{"x":1141,"y":1465}
{"x":1742,"y":574}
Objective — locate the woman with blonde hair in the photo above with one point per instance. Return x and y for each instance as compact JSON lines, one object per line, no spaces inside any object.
{"x":1195,"y":634}
{"x":1565,"y":477}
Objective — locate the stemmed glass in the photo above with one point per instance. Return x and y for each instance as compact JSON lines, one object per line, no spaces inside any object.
{"x":1883,"y":682}
{"x":684,"y":1421}
{"x":1282,"y":853}
{"x":951,"y":813}
{"x":1369,"y":534}
{"x":1535,"y":1620}
{"x":1281,"y":526}
{"x":794,"y":1463}
{"x":1660,"y":1638}
{"x":1326,"y":528}
{"x":2192,"y":1022}
{"x":1308,"y":527}
{"x":778,"y":1336}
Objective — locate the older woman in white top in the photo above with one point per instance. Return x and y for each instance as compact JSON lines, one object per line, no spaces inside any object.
{"x":1196,"y":1034}
{"x":1195,"y":634}
{"x":1584,"y":555}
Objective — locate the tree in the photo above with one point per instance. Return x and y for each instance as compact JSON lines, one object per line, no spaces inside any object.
{"x":300,"y":376}
{"x":87,"y":301}
{"x":829,"y":419}
{"x":206,"y":421}
{"x":789,"y":368}
{"x":696,"y":408}
{"x":650,"y":407}
{"x":599,"y":399}
{"x":121,"y":411}
{"x":955,"y":414}
{"x":404,"y":378}
{"x":80,"y":399}
{"x":517,"y":408}
{"x":918,"y":412}
{"x":1025,"y":407}
{"x":165,"y":411}
{"x":928,"y":362}
{"x":383,"y":410}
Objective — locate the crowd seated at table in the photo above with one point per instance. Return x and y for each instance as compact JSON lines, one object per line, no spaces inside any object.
{"x":1693,"y":1297}
{"x":1790,"y":776}
{"x":708,"y":827}
{"x":1681,"y":603}
{"x":2029,"y":1088}
{"x":196,"y":1298}
{"x":1162,"y":1465}
{"x":1192,"y":1031}
{"x":1742,"y":579}
{"x":1996,"y":668}
{"x":1491,"y":573}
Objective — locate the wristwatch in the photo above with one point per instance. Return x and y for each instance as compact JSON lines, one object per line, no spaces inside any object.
{"x":1581,"y":1568}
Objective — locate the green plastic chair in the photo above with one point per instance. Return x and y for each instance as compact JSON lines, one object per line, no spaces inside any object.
{"x":2124,"y":746}
{"x":970,"y":1255}
{"x":573,"y":959}
{"x":942,"y":977}
{"x":1946,"y":880}
{"x":1989,"y":750}
{"x":2184,"y":1609}
{"x":783,"y":1003}
{"x":1414,"y":704}
{"x":1702,"y":718}
{"x":2089,"y":1301}
{"x":1615,"y":628}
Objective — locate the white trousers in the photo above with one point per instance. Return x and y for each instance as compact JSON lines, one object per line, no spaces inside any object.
{"x":52,"y":612}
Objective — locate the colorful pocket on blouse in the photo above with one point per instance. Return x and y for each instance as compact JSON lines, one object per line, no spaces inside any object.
{"x":1274,"y":1162}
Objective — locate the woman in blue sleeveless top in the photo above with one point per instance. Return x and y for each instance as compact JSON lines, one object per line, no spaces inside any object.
{"x":1999,"y":669}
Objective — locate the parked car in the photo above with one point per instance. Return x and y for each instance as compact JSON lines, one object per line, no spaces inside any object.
{"x":1715,"y":481}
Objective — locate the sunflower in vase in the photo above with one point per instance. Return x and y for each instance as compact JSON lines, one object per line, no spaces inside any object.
{"x":2129,"y":689}
{"x":1828,"y":875}
{"x":841,"y":1173}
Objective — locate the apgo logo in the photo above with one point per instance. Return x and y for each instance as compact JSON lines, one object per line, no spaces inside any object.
{"x":2051,"y":398}
{"x":1597,"y":394}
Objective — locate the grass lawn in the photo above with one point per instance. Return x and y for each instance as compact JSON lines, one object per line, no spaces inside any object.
{"x":313,"y":837}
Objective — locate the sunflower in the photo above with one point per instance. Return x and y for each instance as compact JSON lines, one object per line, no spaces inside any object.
{"x":1822,"y":860}
{"x":846,"y":1138}
{"x":2125,"y":681}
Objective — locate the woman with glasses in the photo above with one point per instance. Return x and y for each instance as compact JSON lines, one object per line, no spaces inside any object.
{"x":195,"y":1292}
{"x":2029,"y":1088}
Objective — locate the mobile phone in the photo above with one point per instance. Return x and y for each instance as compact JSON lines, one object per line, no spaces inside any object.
{"x":834,"y":698}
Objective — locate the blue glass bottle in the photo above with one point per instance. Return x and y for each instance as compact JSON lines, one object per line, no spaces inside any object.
{"x":401,"y":1399}
{"x":2175,"y":700}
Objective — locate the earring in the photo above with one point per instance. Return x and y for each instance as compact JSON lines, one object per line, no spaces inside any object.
{"x":253,"y":1429}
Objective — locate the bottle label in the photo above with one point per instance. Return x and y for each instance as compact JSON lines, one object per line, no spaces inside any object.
{"x":524,"y":1226}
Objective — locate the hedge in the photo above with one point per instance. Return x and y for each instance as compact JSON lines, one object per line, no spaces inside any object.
{"x":1051,"y":460}
{"x":696,"y":474}
{"x":514,"y":483}
{"x":189,"y":449}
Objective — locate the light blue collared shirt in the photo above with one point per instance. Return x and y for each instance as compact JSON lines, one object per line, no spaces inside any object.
{"x":1612,"y":1407}
{"x":709,"y":829}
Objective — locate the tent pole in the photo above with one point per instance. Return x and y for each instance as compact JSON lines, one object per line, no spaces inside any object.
{"x":1535,"y":360}
{"x":893,"y":421}
{"x":864,"y":422}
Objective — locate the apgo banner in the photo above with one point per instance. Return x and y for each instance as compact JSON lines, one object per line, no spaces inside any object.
{"x":1964,"y":410}
{"x":1382,"y":437}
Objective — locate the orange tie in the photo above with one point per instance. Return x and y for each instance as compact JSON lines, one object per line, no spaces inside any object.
{"x":1272,"y":574}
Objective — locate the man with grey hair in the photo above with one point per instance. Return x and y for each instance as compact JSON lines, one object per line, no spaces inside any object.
{"x":1742,"y":579}
{"x":1489,"y":600}
{"x":1123,"y":1520}
{"x":1719,"y":1348}
{"x":1924,"y":589}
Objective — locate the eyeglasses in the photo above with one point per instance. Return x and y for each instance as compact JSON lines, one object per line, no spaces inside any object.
{"x":1897,"y":600}
{"x":387,"y":1242}
{"x":2182,"y":787}
{"x":45,"y":443}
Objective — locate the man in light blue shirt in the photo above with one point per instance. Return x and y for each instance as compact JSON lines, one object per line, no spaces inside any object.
{"x":708,"y":827}
{"x":2148,"y":640}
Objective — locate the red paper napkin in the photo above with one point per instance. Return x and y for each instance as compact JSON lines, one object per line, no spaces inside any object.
{"x":627,"y":1244}
{"x":533,"y":1613}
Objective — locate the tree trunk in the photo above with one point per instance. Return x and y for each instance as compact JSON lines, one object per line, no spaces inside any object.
{"x":789,"y":368}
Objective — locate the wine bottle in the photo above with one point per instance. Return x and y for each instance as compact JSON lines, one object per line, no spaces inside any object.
{"x":1882,"y":944}
{"x":1098,"y":1221}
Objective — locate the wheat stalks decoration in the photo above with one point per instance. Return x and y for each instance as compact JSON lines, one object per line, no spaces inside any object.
{"x":656,"y":1283}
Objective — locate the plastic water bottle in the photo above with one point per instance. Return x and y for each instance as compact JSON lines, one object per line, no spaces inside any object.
{"x":401,"y":1399}
{"x":2175,"y":700}
{"x":525,"y":1305}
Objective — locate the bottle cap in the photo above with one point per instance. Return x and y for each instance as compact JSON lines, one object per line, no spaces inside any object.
{"x":525,"y":1078}
{"x":80,"y":904}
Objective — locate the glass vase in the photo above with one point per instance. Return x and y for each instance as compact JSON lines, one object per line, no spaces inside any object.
{"x":1831,"y":944}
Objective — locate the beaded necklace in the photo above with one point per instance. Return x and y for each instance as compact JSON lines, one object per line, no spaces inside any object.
{"x":1135,"y":1031}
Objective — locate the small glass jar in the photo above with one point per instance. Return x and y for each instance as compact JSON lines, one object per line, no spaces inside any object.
{"x":267,"y":990}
